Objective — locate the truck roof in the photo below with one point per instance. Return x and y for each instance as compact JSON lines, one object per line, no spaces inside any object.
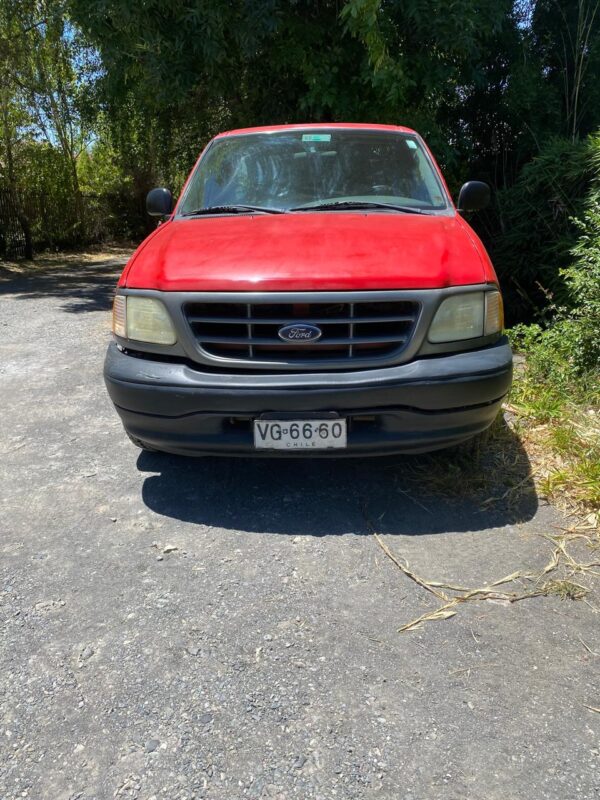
{"x":317,"y":125}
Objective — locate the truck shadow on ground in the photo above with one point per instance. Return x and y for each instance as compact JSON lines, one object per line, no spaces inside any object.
{"x":463,"y":489}
{"x":80,"y":283}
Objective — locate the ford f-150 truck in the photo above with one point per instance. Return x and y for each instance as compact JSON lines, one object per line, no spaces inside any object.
{"x":313,"y":291}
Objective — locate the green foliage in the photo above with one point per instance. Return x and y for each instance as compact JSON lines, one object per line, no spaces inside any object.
{"x":535,"y":227}
{"x":557,"y":390}
{"x":556,"y":395}
{"x":583,"y":275}
{"x":565,"y":39}
{"x":99,"y":171}
{"x":486,"y":81}
{"x":563,"y":358}
{"x":564,"y":352}
{"x":128,"y":93}
{"x":204,"y":67}
{"x":45,"y":73}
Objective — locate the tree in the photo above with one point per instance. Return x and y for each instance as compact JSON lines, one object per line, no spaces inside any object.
{"x":15,"y":122}
{"x":565,"y":38}
{"x":46,"y":71}
{"x":197,"y":67}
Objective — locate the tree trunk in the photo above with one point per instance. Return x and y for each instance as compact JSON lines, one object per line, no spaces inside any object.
{"x":78,"y":198}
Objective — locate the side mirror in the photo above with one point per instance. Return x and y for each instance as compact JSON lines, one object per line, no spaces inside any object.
{"x":474,"y":196}
{"x":159,"y":203}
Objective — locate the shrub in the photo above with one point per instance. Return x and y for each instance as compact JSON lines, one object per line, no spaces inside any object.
{"x":537,"y":229}
{"x":565,"y":351}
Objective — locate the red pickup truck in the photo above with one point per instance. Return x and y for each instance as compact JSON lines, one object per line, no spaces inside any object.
{"x":314,"y":290}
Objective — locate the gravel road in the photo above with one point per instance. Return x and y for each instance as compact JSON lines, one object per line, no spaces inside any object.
{"x":227,"y":629}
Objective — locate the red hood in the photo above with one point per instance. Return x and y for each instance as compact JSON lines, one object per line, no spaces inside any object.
{"x":309,"y":252}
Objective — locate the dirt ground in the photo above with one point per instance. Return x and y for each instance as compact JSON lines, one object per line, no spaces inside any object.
{"x":226,"y":629}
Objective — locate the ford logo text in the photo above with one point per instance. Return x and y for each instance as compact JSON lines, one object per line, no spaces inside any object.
{"x":300,"y":332}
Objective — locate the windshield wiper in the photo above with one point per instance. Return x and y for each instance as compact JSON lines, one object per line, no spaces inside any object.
{"x":233,"y":209}
{"x":358,"y":204}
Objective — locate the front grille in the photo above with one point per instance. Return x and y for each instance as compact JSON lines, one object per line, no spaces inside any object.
{"x":351,"y":331}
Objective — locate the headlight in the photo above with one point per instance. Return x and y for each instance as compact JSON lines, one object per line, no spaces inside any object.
{"x":144,"y":319}
{"x":467,"y":316}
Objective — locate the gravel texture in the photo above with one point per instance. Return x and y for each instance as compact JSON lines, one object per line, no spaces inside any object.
{"x":227,"y":629}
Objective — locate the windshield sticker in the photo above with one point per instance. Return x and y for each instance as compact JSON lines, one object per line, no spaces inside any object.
{"x":411,"y":144}
{"x":316,"y":137}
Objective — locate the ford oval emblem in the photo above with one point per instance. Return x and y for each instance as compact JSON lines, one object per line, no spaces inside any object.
{"x":299,"y":332}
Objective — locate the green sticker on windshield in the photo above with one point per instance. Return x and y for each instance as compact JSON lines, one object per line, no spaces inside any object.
{"x":316,"y":137}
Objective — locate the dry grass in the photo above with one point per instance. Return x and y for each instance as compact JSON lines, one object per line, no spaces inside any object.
{"x":556,"y":456}
{"x":562,"y":566}
{"x":490,"y":469}
{"x":558,"y":421}
{"x":566,"y":451}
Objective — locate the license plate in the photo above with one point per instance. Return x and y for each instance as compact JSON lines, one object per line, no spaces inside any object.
{"x":300,"y":434}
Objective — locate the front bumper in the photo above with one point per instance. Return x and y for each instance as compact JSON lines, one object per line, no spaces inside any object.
{"x":424,"y":405}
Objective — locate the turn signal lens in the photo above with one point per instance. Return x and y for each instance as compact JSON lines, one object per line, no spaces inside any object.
{"x":494,"y":313}
{"x":120,"y":316}
{"x":458,"y":317}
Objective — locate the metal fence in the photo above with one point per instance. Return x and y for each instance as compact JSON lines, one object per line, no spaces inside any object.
{"x":15,"y":228}
{"x":32,"y":221}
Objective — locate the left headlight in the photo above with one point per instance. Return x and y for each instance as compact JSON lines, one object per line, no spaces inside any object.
{"x":143,"y":319}
{"x":467,"y":316}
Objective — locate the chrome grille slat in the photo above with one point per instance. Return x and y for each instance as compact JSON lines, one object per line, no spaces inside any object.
{"x":314,"y":320}
{"x":353,"y":330}
{"x":348,"y":340}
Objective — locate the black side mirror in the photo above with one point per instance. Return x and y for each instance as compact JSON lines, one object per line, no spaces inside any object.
{"x":474,"y":196}
{"x":159,"y":203}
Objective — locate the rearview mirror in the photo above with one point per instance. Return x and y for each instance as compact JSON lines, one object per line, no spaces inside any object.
{"x":159,"y":203}
{"x":474,"y":196}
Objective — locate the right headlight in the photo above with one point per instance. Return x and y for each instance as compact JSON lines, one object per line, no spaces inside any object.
{"x":467,"y":316}
{"x":143,"y":319}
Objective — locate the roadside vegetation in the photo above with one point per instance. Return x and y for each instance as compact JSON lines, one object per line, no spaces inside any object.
{"x":556,"y":393}
{"x":559,"y":424}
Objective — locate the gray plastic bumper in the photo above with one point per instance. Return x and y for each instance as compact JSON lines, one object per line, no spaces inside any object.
{"x":423,"y":405}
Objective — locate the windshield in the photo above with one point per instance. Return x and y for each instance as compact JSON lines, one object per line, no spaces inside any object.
{"x":303,"y":168}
